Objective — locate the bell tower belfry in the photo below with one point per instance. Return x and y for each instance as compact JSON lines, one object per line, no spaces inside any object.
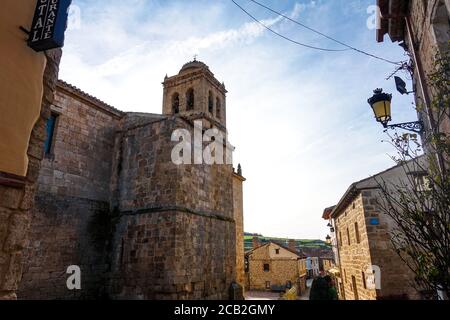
{"x":195,"y":93}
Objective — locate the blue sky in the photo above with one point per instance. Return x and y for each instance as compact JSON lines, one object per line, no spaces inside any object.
{"x":298,"y":117}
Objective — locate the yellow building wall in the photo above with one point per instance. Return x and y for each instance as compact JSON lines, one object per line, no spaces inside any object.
{"x":283,"y":267}
{"x":21,"y":86}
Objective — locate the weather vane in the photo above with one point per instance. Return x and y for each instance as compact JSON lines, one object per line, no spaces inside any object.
{"x":195,"y":57}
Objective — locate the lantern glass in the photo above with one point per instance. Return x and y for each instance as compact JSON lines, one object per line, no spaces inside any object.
{"x":382,"y":110}
{"x":381,"y":106}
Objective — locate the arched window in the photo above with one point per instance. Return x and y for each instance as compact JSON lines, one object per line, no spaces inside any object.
{"x":190,"y":99}
{"x":176,"y":103}
{"x":210,"y":103}
{"x":218,"y":108}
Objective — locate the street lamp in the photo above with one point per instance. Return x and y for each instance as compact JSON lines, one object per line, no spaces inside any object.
{"x":380,"y":103}
{"x":328,"y":238}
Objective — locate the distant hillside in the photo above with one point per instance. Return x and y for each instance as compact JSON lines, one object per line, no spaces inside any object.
{"x":304,"y":245}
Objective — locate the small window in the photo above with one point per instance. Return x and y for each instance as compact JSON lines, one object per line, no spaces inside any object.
{"x":340,"y":239}
{"x":218,"y":109}
{"x":190,"y":99}
{"x":210,"y":103}
{"x":345,"y":276}
{"x":288,"y":284}
{"x":348,"y":237}
{"x":353,"y":206}
{"x":364,"y":280}
{"x":267,"y":284}
{"x":358,"y":240}
{"x":266,"y":267}
{"x":49,"y":141}
{"x":176,"y":103}
{"x":277,"y":251}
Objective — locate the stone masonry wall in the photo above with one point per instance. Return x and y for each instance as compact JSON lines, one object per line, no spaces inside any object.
{"x":71,"y":224}
{"x":239,"y":219}
{"x":355,"y":258}
{"x":175,"y":237}
{"x":396,"y":277}
{"x":430,"y":33}
{"x":281,"y":270}
{"x":16,"y":203}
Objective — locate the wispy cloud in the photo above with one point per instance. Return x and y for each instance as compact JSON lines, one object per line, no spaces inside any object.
{"x":298,"y":117}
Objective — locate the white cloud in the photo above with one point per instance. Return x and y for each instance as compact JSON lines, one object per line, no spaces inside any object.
{"x":298,"y":118}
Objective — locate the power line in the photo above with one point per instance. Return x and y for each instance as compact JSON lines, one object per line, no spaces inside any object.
{"x":282,"y":36}
{"x":324,"y":35}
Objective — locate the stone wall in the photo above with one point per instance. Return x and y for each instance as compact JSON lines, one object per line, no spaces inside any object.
{"x":175,"y":237}
{"x":111,"y":201}
{"x":286,"y":267}
{"x":16,"y":202}
{"x":239,"y":219}
{"x":80,"y":163}
{"x":71,"y":223}
{"x":430,"y":34}
{"x":374,"y":248}
{"x":355,"y":258}
{"x":396,"y":277}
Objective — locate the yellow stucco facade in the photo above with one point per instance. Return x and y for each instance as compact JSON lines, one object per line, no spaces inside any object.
{"x":21,"y":85}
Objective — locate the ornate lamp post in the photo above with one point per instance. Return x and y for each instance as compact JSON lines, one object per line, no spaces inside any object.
{"x":380,"y":103}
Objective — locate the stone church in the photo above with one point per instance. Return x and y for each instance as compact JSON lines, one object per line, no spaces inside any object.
{"x":110,"y":200}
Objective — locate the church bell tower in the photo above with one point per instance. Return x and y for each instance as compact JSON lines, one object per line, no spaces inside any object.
{"x":194,"y":93}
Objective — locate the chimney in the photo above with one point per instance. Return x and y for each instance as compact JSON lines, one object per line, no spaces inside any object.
{"x":292,"y":245}
{"x":255,"y":242}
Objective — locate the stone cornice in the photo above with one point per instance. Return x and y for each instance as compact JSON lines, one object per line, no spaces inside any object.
{"x":163,"y":209}
{"x":195,"y":75}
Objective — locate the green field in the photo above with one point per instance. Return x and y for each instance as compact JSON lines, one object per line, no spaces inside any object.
{"x":301,"y":243}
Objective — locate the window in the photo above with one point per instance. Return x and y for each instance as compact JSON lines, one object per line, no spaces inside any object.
{"x":288,"y":284}
{"x":266,"y":267}
{"x":358,"y":240}
{"x":345,"y":276}
{"x":355,"y":288}
{"x":218,"y":109}
{"x":51,"y":124}
{"x":364,"y":280}
{"x":190,"y":99}
{"x":277,"y":251}
{"x":348,"y":237}
{"x":176,"y":103}
{"x":210,"y":103}
{"x":267,"y":284}
{"x":340,"y":239}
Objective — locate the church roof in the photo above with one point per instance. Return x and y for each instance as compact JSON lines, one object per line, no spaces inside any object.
{"x":194,"y":65}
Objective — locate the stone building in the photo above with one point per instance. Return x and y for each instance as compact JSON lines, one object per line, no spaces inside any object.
{"x":27,"y":84}
{"x":369,"y":266}
{"x":274,"y":267}
{"x":422,"y":28}
{"x":111,"y":200}
{"x":326,"y":264}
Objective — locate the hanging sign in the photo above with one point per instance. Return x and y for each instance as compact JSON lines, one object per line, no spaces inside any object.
{"x":49,"y":24}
